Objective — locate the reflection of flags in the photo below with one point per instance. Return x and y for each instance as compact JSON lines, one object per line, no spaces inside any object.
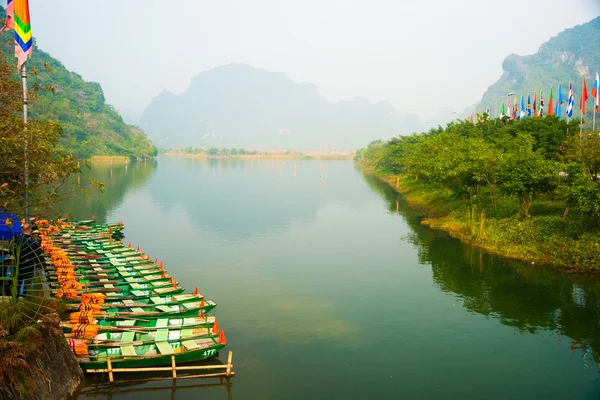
{"x":584,"y":97}
{"x":528,"y":105}
{"x":535,"y":111}
{"x":550,"y":105}
{"x":559,"y":100}
{"x":10,"y":22}
{"x":522,"y":107}
{"x":23,"y":38}
{"x":570,"y":101}
{"x":595,"y":94}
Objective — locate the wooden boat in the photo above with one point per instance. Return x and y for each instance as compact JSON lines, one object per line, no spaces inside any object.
{"x":141,"y":325}
{"x":118,"y":338}
{"x":155,"y":354}
{"x":150,"y":310}
{"x":122,"y":303}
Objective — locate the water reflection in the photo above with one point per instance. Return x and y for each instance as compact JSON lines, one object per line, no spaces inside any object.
{"x":176,"y":390}
{"x":530,"y":299}
{"x":237,"y":198}
{"x":118,"y":179}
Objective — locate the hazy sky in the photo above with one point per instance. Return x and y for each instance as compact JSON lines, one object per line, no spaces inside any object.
{"x":420,"y":55}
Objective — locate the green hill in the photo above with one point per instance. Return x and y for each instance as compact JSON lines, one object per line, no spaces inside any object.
{"x":91,"y":127}
{"x":569,"y":56}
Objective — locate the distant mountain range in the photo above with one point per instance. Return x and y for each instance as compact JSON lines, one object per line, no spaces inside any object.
{"x":242,"y":106}
{"x":569,"y":56}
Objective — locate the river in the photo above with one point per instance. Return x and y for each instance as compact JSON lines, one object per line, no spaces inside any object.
{"x":328,"y":287}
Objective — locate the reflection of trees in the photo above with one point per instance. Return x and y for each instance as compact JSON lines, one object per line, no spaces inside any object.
{"x":519,"y":295}
{"x":117,"y":180}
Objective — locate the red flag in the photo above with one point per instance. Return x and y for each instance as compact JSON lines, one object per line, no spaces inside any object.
{"x":471,"y":119}
{"x":584,"y":97}
{"x":535,"y":111}
{"x":550,"y":103}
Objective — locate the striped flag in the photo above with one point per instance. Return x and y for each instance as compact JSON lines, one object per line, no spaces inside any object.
{"x":10,"y":22}
{"x":570,"y":101}
{"x":559,"y":101}
{"x":595,"y":90}
{"x":522,"y":107}
{"x":528,"y":105}
{"x":550,"y":104}
{"x":584,"y":97}
{"x":23,"y":38}
{"x":515,"y":108}
{"x":541,"y":103}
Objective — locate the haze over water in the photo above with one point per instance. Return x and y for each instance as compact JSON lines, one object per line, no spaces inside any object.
{"x":329,"y":288}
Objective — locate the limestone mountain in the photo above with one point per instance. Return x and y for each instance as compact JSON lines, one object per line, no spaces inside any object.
{"x":569,"y":56}
{"x":242,"y":106}
{"x":90,"y":126}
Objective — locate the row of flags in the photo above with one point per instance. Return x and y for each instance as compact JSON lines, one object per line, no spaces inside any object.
{"x":17,"y":18}
{"x":514,"y":111}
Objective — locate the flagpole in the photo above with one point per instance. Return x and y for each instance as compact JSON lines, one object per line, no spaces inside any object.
{"x":25,"y":141}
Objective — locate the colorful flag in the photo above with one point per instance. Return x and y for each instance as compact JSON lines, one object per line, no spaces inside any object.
{"x":528,"y":105}
{"x":595,"y":90}
{"x":502,"y":111}
{"x":10,"y":22}
{"x":515,"y":109}
{"x":535,"y":110}
{"x":522,"y":107}
{"x":23,"y":38}
{"x":471,"y":118}
{"x":541,"y":103}
{"x":509,"y":109}
{"x":570,"y":102}
{"x":584,"y":97}
{"x":550,"y":104}
{"x":559,"y":101}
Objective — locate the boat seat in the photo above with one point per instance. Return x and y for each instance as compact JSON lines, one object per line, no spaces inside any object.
{"x":162,"y":335}
{"x":186,"y":333}
{"x":164,"y":348}
{"x":128,"y":350}
{"x":126,"y":322}
{"x":190,"y":345}
{"x":128,"y":337}
{"x":162,"y":323}
{"x":138,"y":293}
{"x":129,"y":279}
{"x":157,"y":300}
{"x":166,"y":308}
{"x":137,"y":310}
{"x":128,"y":302}
{"x":109,"y":286}
{"x":136,"y":286}
{"x":189,"y":321}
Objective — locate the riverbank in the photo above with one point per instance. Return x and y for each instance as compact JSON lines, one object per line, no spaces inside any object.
{"x":268,"y":156}
{"x":545,"y":238}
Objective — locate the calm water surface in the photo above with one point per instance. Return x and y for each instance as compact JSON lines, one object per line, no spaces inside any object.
{"x":329,"y":288}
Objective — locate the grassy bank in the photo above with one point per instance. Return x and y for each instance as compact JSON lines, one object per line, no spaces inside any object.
{"x":545,"y":237}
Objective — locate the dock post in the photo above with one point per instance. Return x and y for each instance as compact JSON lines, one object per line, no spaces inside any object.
{"x":174,"y":367}
{"x":229,"y":363}
{"x":110,"y":372}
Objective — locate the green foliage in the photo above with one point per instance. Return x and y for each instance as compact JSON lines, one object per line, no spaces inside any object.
{"x":90,"y":126}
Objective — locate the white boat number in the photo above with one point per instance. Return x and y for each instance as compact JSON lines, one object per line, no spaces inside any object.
{"x":209,"y":353}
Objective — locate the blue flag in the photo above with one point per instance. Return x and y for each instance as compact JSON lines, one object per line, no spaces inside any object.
{"x":522,"y":108}
{"x":528,"y":105}
{"x":570,"y":101}
{"x":559,"y":101}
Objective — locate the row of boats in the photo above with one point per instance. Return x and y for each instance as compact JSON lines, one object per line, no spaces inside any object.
{"x":124,"y":305}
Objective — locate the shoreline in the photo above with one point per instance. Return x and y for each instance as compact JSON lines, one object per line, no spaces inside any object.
{"x":269,"y":156}
{"x":535,"y":252}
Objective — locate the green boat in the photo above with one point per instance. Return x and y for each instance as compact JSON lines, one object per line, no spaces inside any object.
{"x":117,"y":302}
{"x":151,"y":355}
{"x":117,"y":339}
{"x":148,"y":324}
{"x":159,"y":311}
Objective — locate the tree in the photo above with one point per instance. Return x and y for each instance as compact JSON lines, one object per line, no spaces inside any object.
{"x":49,"y":168}
{"x":527,"y":175}
{"x":213,"y":151}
